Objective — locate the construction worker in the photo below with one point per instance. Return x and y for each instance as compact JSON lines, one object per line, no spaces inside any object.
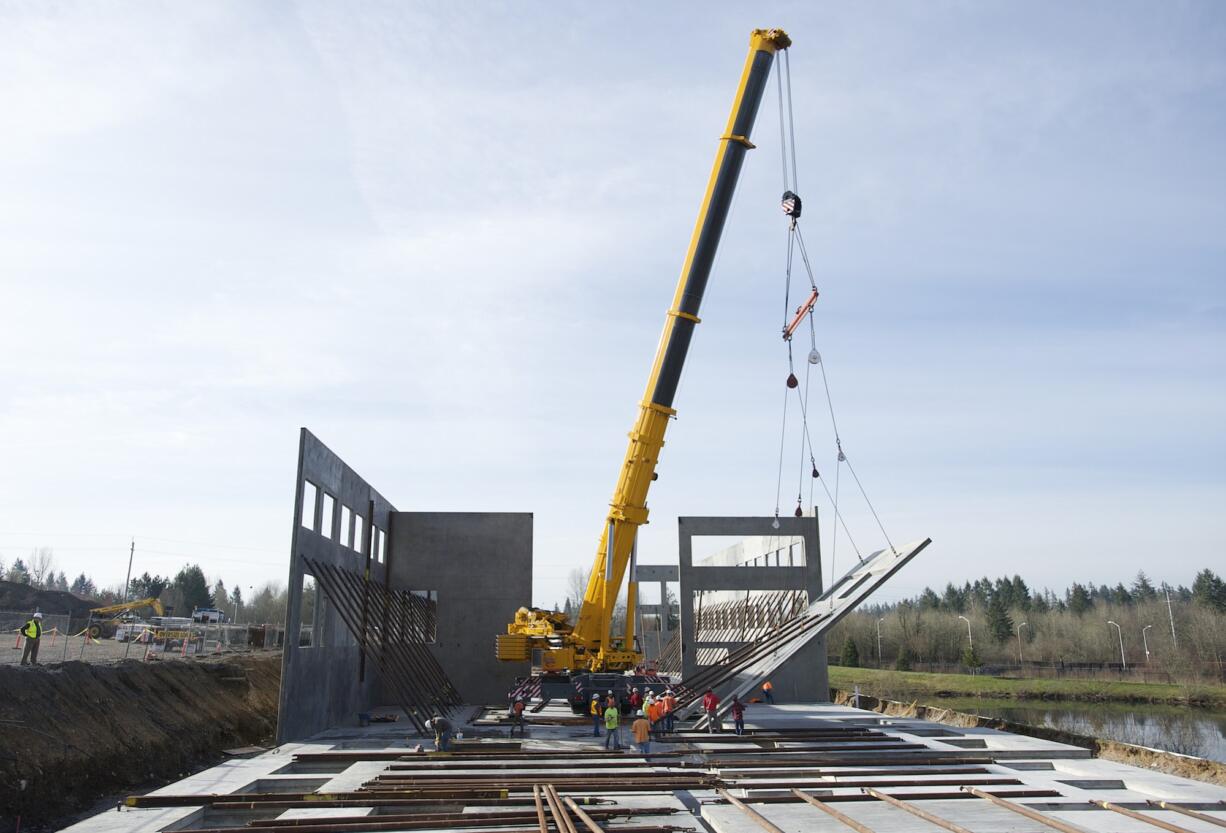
{"x":670,"y":705}
{"x":710,"y":702}
{"x":612,"y":723}
{"x":517,"y":718}
{"x":597,"y":714}
{"x":738,"y":715}
{"x":442,"y":733}
{"x":768,"y":691}
{"x":641,"y":729}
{"x":610,"y":700}
{"x":636,"y":700}
{"x":32,"y":631}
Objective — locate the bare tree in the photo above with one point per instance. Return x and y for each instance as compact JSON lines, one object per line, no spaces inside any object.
{"x":41,"y":566}
{"x":576,"y":586}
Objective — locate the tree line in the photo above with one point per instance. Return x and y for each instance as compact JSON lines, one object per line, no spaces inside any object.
{"x":187,"y":590}
{"x":1177,"y":629}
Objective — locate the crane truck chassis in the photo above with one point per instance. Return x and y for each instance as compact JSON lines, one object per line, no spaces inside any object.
{"x":575,"y":662}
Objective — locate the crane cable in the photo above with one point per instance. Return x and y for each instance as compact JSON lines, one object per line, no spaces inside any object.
{"x":792,"y":207}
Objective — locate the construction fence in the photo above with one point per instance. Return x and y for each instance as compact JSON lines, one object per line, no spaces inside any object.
{"x":143,"y":642}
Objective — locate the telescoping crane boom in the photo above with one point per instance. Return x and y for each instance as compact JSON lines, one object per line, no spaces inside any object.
{"x":589,"y":645}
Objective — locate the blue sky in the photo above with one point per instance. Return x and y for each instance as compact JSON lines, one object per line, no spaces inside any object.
{"x":444,"y":239}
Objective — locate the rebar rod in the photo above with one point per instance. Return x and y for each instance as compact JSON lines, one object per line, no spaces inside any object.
{"x":931,"y":818}
{"x":833,"y":813}
{"x":1028,"y":812}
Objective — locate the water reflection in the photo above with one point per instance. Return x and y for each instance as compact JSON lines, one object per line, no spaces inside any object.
{"x":1183,"y":730}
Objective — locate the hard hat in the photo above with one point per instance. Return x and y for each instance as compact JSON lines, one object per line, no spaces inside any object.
{"x":595,"y":696}
{"x":38,"y":616}
{"x":610,"y":691}
{"x":639,"y":712}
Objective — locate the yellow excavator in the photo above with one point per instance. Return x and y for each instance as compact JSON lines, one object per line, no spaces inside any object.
{"x":110,"y":615}
{"x":586,"y":656}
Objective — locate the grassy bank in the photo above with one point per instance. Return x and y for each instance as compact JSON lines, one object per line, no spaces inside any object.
{"x":911,"y":685}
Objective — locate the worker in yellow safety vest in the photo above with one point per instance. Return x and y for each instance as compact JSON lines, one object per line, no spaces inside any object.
{"x":32,"y":631}
{"x":597,"y":713}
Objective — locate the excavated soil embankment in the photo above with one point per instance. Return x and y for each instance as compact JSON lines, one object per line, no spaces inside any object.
{"x":73,"y":733}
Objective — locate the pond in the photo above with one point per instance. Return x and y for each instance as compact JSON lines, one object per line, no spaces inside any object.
{"x":1180,"y":729}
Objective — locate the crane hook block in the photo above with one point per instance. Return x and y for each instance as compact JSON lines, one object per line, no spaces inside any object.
{"x":791,"y":204}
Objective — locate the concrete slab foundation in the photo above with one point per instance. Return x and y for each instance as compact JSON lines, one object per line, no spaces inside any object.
{"x":343,"y":776}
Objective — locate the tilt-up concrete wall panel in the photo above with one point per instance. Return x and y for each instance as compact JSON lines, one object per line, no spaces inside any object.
{"x":804,"y":678}
{"x":480,"y":566}
{"x":328,"y":682}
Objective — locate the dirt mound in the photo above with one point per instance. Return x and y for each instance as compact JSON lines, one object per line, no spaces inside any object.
{"x":72,"y":733}
{"x":24,"y":598}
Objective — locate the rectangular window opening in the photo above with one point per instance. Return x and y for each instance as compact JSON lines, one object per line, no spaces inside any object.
{"x":326,"y":527}
{"x":346,"y":537}
{"x":307,"y":608}
{"x":359,"y":533}
{"x":309,"y":495}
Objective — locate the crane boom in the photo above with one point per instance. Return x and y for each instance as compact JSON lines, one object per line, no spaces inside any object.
{"x":590,"y":645}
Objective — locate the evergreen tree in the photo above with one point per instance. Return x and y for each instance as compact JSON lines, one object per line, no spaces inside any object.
{"x":1000,"y":623}
{"x":953,"y":599}
{"x":1079,"y":600}
{"x":83,"y":585}
{"x":1021,"y":593}
{"x":18,"y":573}
{"x":1142,"y":589}
{"x":146,"y":586}
{"x":1120,"y":595}
{"x":903,"y":661}
{"x":929,"y":600}
{"x":61,"y":582}
{"x":850,"y":656}
{"x":1209,"y":591}
{"x":970,"y":658}
{"x":192,"y":589}
{"x":1002,"y":588}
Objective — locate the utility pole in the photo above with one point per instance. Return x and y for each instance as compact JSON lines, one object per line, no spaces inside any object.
{"x":1145,"y":642}
{"x":1019,"y":642}
{"x":879,"y":621}
{"x":1170,"y":613}
{"x":127,"y":581}
{"x":1120,"y":632}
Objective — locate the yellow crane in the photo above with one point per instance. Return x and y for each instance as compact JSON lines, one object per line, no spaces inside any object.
{"x":546,"y":638}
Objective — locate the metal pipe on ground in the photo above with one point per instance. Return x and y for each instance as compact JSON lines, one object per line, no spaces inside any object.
{"x":750,"y":813}
{"x":584,"y":817}
{"x":833,"y":813}
{"x":931,"y":818}
{"x":540,"y":809}
{"x":1189,"y":812}
{"x":1133,"y":814}
{"x":1028,"y":812}
{"x":560,"y":819}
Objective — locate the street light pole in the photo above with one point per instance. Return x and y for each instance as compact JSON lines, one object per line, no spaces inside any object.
{"x":1120,"y":632}
{"x":1145,"y":641}
{"x":879,"y":621}
{"x":970,"y":639}
{"x":1170,"y":614}
{"x":1019,"y":642}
